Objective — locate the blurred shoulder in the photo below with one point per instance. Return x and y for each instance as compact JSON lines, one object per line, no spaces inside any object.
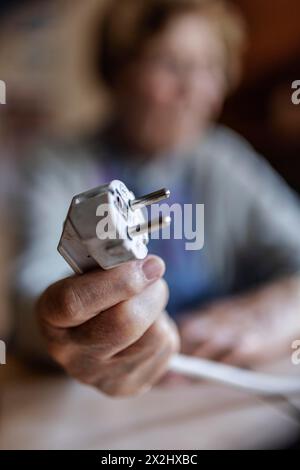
{"x":66,"y":160}
{"x":56,"y":170}
{"x":237,"y":167}
{"x":228,"y":145}
{"x":49,"y":152}
{"x":229,"y":153}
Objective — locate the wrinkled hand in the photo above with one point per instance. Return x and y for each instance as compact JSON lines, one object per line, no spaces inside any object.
{"x":109,"y":328}
{"x":247,"y":330}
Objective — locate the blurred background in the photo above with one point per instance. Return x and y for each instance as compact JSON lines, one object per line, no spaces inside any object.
{"x":52,"y":90}
{"x":46,"y":62}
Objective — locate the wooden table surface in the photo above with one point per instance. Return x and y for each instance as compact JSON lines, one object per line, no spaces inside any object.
{"x":40,"y":411}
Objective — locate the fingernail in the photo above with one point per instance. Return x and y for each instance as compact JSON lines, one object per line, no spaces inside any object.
{"x":153,"y":268}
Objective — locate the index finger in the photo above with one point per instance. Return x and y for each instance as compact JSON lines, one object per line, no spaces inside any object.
{"x":73,"y":301}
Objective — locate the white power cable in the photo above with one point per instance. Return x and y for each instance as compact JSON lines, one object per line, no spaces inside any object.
{"x":256,"y":382}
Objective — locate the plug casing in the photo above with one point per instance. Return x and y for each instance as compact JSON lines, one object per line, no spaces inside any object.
{"x":96,"y":233}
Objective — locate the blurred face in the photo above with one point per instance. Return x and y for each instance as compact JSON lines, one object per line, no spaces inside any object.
{"x":176,"y":88}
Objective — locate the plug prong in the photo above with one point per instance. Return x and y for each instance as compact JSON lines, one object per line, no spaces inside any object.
{"x":149,"y":199}
{"x":149,"y":227}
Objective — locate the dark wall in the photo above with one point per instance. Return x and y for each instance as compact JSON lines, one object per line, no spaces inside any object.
{"x":262,"y":109}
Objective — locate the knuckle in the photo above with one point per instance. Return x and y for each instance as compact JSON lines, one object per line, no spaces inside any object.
{"x":164,"y":285}
{"x":130,"y":320}
{"x":163,"y":292}
{"x":67,"y":301}
{"x":170,"y":342}
{"x":163,"y":338}
{"x":130,"y":283}
{"x":125,"y":324}
{"x":84,"y":366}
{"x":175,"y":343}
{"x":169,"y":347}
{"x":159,"y":333}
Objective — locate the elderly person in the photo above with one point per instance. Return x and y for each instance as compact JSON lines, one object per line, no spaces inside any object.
{"x":168,"y":65}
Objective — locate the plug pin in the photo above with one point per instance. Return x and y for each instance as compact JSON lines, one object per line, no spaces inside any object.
{"x":149,"y":227}
{"x":152,"y":198}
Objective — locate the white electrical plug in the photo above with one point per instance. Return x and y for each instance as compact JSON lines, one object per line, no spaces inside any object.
{"x":106,"y":227}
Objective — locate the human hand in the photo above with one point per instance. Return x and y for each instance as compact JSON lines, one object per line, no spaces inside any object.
{"x":109,"y":329}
